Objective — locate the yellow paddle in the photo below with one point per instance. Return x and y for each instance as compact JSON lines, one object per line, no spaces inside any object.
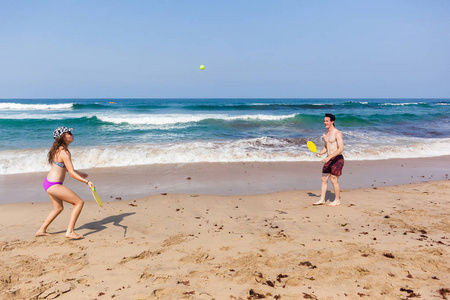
{"x":97,"y":197}
{"x":312,"y":146}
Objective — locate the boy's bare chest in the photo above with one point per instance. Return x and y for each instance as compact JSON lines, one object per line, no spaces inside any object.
{"x":330,"y":138}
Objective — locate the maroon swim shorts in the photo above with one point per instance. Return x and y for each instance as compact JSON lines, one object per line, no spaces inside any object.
{"x":334,"y":166}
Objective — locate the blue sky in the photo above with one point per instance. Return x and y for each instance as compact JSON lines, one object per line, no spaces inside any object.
{"x":250,"y":48}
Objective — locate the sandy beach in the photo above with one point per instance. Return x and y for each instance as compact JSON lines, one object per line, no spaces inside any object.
{"x":254,"y":235}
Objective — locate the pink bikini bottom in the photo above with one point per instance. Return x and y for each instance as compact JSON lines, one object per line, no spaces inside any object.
{"x":47,"y":184}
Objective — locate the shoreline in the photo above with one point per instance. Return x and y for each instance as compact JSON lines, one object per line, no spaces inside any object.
{"x":243,"y":178}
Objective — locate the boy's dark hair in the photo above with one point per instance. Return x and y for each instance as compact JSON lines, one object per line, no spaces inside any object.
{"x":331,"y":116}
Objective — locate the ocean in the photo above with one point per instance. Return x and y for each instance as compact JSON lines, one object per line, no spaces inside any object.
{"x":129,"y":132}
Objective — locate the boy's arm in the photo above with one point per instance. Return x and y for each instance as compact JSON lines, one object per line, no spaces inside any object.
{"x":324,"y":149}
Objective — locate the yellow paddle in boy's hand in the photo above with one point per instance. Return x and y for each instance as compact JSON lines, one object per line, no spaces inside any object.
{"x":97,"y":197}
{"x":312,"y":146}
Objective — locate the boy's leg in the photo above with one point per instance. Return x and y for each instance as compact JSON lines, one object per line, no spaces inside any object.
{"x":337,"y":191}
{"x":324,"y":189}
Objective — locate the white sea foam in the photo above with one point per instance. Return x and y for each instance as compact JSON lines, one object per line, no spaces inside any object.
{"x":168,"y":119}
{"x":20,"y":106}
{"x":358,"y":102}
{"x":403,"y":104}
{"x":48,"y":116}
{"x":263,"y":149}
{"x":144,"y":119}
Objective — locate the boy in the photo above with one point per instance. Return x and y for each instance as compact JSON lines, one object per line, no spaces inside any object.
{"x":334,"y":162}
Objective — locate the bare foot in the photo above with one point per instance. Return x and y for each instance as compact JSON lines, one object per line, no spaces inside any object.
{"x":73,"y":236}
{"x":42,"y":234}
{"x":320,"y":202}
{"x":335,"y":203}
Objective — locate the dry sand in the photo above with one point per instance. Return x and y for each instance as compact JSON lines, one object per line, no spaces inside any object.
{"x":381,"y":243}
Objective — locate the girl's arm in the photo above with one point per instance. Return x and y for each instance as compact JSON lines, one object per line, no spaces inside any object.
{"x":67,"y":159}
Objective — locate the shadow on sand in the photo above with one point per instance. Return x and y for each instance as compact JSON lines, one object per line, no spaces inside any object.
{"x":329,"y":197}
{"x":98,"y":226}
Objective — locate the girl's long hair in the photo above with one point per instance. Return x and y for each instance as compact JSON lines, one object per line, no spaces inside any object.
{"x":56,"y":147}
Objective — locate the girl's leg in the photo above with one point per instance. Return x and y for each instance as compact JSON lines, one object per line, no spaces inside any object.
{"x":65,"y":194}
{"x":57,"y":209}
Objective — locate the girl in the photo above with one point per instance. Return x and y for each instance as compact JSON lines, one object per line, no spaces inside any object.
{"x":59,"y":158}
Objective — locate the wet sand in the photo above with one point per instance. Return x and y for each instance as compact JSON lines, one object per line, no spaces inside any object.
{"x":227,"y":178}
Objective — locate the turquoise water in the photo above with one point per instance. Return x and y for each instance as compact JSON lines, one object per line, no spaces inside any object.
{"x":122,"y":132}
